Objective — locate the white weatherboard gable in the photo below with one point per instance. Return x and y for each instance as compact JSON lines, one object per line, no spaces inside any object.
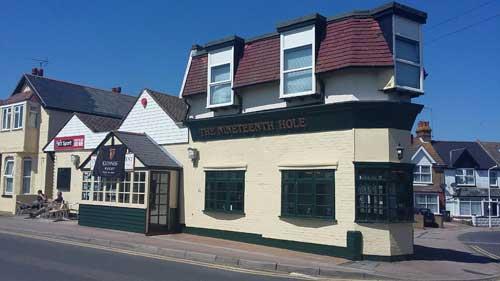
{"x":153,"y":121}
{"x":75,"y":127}
{"x":422,"y":157}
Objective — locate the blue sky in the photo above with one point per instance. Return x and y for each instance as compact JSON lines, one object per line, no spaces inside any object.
{"x":137,"y":44}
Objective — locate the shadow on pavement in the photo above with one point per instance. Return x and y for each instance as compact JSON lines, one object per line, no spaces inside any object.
{"x":430,"y":254}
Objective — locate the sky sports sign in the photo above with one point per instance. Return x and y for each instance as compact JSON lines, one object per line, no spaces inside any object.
{"x":69,"y":143}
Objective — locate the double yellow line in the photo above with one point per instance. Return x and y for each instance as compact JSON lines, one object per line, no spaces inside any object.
{"x":484,"y":252}
{"x":171,"y":259}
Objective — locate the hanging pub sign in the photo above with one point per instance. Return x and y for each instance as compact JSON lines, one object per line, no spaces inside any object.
{"x":110,"y":162}
{"x":69,"y":143}
{"x":129,"y":161}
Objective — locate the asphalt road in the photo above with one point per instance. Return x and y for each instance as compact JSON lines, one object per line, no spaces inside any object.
{"x":32,"y":259}
{"x":485,"y":240}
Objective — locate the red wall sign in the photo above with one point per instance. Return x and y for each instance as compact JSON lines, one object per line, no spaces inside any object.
{"x":69,"y":143}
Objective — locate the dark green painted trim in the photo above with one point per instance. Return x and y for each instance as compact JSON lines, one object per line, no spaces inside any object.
{"x":118,"y":218}
{"x":6,"y":196}
{"x":353,"y":250}
{"x":326,"y":250}
{"x":306,"y":119}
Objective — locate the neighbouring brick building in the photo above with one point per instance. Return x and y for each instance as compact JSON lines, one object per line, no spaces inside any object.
{"x":456,"y":176}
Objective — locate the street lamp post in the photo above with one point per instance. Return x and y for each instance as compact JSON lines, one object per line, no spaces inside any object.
{"x":489,"y":194}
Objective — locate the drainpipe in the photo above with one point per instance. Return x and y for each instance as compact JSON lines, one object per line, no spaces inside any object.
{"x":489,"y":194}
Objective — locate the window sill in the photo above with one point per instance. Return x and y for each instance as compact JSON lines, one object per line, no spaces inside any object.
{"x":17,"y":129}
{"x":466,"y":185}
{"x":288,"y":217}
{"x":407,"y":90}
{"x":236,"y":213}
{"x":298,"y":95}
{"x":7,"y":196}
{"x":382,"y":222}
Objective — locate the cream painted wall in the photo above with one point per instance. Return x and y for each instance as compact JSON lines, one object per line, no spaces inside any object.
{"x":63,"y":160}
{"x":359,"y":84}
{"x":351,"y":84}
{"x":262,"y":158}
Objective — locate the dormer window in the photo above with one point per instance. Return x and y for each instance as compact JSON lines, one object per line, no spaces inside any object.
{"x":408,"y":54}
{"x":297,"y":62}
{"x":220,"y":78}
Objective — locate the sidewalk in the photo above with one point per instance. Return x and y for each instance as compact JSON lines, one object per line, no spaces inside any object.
{"x":439,"y":254}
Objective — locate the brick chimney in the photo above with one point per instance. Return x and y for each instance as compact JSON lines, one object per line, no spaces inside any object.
{"x":37,"y":71}
{"x":116,"y":90}
{"x":424,"y":131}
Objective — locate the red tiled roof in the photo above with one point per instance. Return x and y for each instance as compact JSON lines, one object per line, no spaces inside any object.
{"x":353,"y":42}
{"x":19,"y":97}
{"x":260,"y":62}
{"x":348,"y":42}
{"x":196,"y":80}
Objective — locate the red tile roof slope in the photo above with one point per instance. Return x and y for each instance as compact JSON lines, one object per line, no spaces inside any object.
{"x":353,"y":42}
{"x":348,"y":42}
{"x":196,"y":80}
{"x":260,"y":62}
{"x":19,"y":97}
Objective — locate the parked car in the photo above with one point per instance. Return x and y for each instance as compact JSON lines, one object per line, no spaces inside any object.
{"x":429,"y":219}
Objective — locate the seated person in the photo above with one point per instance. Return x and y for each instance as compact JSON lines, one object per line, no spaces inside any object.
{"x":59,"y":199}
{"x":54,"y":204}
{"x":38,"y":203}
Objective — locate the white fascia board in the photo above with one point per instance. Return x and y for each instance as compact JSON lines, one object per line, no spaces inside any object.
{"x":422,"y":149}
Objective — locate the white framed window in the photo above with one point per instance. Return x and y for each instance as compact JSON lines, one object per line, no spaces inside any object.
{"x":407,"y":52}
{"x":139,"y":188}
{"x":6,"y":118}
{"x":427,"y":201}
{"x":465,"y":176}
{"x":422,"y":174}
{"x":494,"y":178}
{"x":33,"y":117}
{"x":87,"y":186}
{"x":18,"y":116}
{"x":220,"y":78}
{"x":27,"y":167}
{"x":469,"y":207}
{"x":8,"y":176}
{"x":130,"y":190}
{"x":297,"y":65}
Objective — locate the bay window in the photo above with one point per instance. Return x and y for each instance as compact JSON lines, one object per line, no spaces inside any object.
{"x":297,"y":62}
{"x":220,"y":78}
{"x":408,"y":54}
{"x":308,"y":193}
{"x":6,"y":118}
{"x":225,"y":191}
{"x":130,"y":190}
{"x":422,"y":174}
{"x":8,"y":176}
{"x":27,"y":167}
{"x":427,"y":201}
{"x":384,"y":192}
{"x":465,"y":176}
{"x":18,"y":116}
{"x":470,"y":207}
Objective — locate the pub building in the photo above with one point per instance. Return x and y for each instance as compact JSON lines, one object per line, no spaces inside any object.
{"x":147,"y":184}
{"x":130,"y":183}
{"x":295,"y":139}
{"x":298,"y":137}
